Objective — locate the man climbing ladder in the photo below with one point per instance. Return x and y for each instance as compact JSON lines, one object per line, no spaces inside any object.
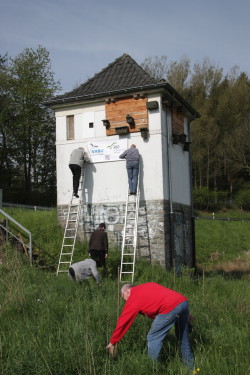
{"x":77,"y":162}
{"x":77,"y":165}
{"x":129,"y":241}
{"x":132,"y":157}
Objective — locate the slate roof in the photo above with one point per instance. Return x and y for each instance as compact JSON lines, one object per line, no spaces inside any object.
{"x":122,"y":75}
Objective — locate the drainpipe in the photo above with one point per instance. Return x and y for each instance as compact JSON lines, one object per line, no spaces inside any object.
{"x":171,"y":213}
{"x":191,"y":198}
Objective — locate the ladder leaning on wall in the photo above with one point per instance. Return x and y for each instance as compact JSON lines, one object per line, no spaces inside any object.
{"x":70,"y":231}
{"x":129,"y":240}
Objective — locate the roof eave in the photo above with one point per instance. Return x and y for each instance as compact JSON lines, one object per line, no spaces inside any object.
{"x":161,"y":86}
{"x":176,"y":97}
{"x":100,"y":95}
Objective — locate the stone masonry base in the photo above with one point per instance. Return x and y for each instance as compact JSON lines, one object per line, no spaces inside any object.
{"x":163,"y":237}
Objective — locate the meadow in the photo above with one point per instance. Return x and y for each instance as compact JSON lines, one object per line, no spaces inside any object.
{"x":50,"y":325}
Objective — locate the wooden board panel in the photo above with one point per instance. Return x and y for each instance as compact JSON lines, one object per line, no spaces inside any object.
{"x":116,"y":114}
{"x":177,"y":121}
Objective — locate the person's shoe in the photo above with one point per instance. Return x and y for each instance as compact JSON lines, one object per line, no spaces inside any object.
{"x":76,"y":195}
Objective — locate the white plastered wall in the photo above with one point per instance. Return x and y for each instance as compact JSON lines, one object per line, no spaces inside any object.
{"x":180,"y":169}
{"x":107,"y":181}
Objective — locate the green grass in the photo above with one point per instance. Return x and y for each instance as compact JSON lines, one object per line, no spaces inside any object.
{"x":226,"y":238}
{"x":227,"y":213}
{"x":221,"y":240}
{"x":50,"y":325}
{"x":47,"y":234}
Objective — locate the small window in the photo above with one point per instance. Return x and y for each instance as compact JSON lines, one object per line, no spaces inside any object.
{"x":70,"y":127}
{"x":91,"y":125}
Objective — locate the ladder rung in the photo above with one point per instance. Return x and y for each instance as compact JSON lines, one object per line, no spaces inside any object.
{"x":128,"y":263}
{"x":74,"y":208}
{"x":130,"y":235}
{"x":65,"y":262}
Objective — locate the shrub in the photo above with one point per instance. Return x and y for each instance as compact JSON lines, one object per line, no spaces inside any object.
{"x":242,"y":198}
{"x":205,"y":199}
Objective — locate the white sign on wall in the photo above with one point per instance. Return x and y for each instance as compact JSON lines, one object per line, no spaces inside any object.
{"x":106,"y":150}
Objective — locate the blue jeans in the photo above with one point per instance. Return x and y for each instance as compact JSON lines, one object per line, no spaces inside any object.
{"x":160,"y":327}
{"x":133,"y":171}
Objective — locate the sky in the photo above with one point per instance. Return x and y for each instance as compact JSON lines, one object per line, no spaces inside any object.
{"x":84,"y":36}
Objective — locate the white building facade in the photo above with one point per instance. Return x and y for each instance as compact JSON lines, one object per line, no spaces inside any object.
{"x":162,"y":136}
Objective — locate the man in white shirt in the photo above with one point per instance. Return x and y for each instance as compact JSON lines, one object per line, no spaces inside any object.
{"x":83,"y":270}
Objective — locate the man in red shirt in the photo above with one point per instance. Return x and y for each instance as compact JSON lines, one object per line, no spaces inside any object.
{"x":166,"y":307}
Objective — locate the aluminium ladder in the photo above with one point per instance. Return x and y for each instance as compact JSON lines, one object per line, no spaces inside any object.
{"x":70,"y":232}
{"x":129,"y":241}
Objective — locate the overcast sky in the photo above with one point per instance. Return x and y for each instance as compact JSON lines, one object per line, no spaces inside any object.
{"x":84,"y":36}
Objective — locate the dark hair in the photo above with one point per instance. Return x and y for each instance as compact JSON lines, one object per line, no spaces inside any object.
{"x":102,"y":225}
{"x":72,"y":273}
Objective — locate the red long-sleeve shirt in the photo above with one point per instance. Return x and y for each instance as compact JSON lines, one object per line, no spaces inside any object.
{"x":149,"y":299}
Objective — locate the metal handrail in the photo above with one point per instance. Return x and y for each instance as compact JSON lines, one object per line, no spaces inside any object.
{"x":9,"y":218}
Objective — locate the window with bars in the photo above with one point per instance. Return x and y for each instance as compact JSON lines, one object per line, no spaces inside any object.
{"x":70,"y":127}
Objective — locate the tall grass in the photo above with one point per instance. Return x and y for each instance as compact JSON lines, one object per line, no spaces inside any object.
{"x":47,"y":234}
{"x":221,"y":240}
{"x":50,"y":325}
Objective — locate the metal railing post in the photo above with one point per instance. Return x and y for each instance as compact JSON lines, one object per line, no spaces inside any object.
{"x":9,"y":218}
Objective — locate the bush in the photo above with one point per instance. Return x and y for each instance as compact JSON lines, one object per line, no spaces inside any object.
{"x":205,"y":199}
{"x":35,"y":197}
{"x":242,"y":198}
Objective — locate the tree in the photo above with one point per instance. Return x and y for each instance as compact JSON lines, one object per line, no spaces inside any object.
{"x":220,"y":138}
{"x":178,"y":74}
{"x":7,"y":164}
{"x":156,"y":67}
{"x":31,"y":128}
